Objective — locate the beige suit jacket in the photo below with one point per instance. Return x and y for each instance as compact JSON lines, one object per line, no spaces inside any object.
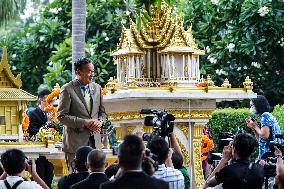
{"x":72,"y":111}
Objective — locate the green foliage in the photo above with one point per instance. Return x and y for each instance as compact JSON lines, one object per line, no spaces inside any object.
{"x":10,"y":10}
{"x":43,"y":47}
{"x":102,"y":32}
{"x":278,"y":112}
{"x":31,"y":46}
{"x":241,"y":38}
{"x":229,"y":120}
{"x":57,"y":72}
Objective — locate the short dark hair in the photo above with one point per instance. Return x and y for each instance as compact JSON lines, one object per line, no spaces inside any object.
{"x":177,"y":159}
{"x":160,"y":148}
{"x":13,"y":161}
{"x":81,"y":157}
{"x":96,"y":159}
{"x":244,"y":144}
{"x":78,"y":65}
{"x":43,"y":93}
{"x":261,"y":104}
{"x":130,"y":152}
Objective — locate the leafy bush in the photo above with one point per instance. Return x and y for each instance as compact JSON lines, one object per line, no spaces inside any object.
{"x":278,"y":112}
{"x":229,"y":120}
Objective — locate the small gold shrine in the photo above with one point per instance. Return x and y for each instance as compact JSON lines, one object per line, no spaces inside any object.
{"x":12,"y":101}
{"x":159,"y":53}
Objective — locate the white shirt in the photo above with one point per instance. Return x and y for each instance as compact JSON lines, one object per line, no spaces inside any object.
{"x":172,"y":176}
{"x":24,"y":185}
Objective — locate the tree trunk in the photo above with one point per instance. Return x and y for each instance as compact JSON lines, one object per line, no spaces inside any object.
{"x":78,"y":30}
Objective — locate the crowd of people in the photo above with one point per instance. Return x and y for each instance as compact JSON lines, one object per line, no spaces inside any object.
{"x":90,"y":168}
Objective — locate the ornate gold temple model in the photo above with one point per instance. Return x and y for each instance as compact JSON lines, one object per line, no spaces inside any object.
{"x":12,"y":102}
{"x":160,"y":54}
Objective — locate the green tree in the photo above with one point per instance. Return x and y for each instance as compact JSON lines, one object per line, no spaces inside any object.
{"x":241,"y":38}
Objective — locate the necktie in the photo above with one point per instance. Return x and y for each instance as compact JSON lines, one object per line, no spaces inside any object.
{"x":87,"y":99}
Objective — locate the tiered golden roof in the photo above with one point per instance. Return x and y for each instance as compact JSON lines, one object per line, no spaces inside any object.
{"x":9,"y":85}
{"x":162,"y":31}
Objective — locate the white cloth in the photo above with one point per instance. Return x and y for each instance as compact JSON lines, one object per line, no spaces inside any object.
{"x":173,"y":176}
{"x":24,"y":185}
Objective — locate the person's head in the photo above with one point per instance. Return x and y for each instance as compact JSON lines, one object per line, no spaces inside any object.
{"x":130,"y":153}
{"x":80,"y":160}
{"x":160,"y":148}
{"x":260,"y":104}
{"x":96,"y":161}
{"x":41,"y":97}
{"x":243,"y":145}
{"x":14,"y":161}
{"x":177,"y":159}
{"x":84,"y":70}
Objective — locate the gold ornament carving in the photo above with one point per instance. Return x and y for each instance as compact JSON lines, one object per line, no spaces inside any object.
{"x":197,"y":161}
{"x":226,"y":84}
{"x":185,"y":153}
{"x":130,"y":129}
{"x":118,"y":131}
{"x":179,"y":114}
{"x":184,"y":129}
{"x":248,"y":85}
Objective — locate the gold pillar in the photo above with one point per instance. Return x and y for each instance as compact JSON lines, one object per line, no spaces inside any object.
{"x":197,"y":161}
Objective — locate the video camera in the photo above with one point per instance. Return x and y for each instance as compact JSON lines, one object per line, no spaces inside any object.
{"x":269,"y":157}
{"x":162,"y":123}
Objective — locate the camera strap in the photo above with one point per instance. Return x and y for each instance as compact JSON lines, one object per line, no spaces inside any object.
{"x":14,"y":186}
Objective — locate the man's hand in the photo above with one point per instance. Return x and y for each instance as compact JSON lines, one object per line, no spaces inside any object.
{"x":93,"y":124}
{"x":32,"y":168}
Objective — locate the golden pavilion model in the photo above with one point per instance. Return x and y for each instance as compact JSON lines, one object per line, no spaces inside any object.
{"x":161,"y":53}
{"x":12,"y":101}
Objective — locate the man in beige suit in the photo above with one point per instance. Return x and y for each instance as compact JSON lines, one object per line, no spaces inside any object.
{"x":80,"y":110}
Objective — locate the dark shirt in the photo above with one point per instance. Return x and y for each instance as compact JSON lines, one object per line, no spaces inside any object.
{"x":67,"y":181}
{"x":135,"y":180}
{"x":37,"y":119}
{"x":232,"y":176}
{"x":93,"y":181}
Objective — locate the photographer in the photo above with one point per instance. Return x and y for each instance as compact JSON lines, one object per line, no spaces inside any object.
{"x":174,"y":177}
{"x":265,"y":132}
{"x":279,"y":179}
{"x":241,"y":173}
{"x":15,"y":163}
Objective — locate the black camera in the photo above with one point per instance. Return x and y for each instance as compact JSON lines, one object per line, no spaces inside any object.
{"x":150,"y":161}
{"x":162,"y":123}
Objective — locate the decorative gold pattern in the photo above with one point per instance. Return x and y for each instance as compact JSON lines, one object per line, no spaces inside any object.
{"x":248,"y":85}
{"x":185,"y":154}
{"x":179,"y":114}
{"x":226,"y":84}
{"x":130,"y":129}
{"x":184,"y":129}
{"x":197,"y":161}
{"x":118,"y":131}
{"x":4,"y":67}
